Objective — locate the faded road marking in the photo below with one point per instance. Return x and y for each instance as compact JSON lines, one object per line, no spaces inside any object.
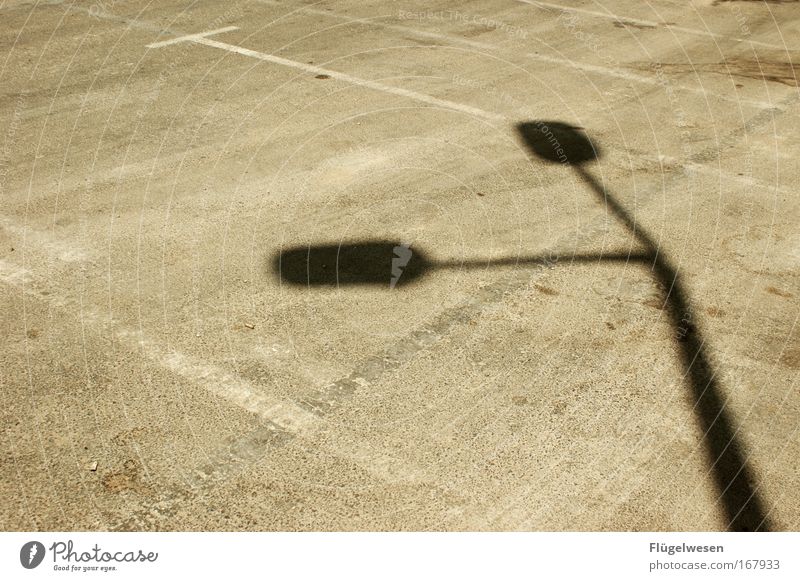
{"x":191,"y":37}
{"x":647,"y":23}
{"x":212,"y":378}
{"x":315,"y":70}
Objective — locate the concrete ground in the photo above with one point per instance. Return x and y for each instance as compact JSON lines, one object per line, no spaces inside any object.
{"x":592,"y":344}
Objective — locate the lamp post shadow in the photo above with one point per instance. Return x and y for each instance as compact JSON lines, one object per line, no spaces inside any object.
{"x":557,"y":142}
{"x":393,"y":265}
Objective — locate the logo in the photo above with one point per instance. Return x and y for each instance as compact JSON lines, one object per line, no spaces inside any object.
{"x":402,"y":254}
{"x":31,"y":554}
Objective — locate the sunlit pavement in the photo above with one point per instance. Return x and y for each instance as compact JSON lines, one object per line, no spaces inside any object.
{"x":494,"y":265}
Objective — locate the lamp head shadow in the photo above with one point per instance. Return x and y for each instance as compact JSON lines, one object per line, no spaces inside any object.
{"x":374,"y":262}
{"x":557,"y":142}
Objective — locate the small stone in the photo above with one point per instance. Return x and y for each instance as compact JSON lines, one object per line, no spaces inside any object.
{"x":93,"y":466}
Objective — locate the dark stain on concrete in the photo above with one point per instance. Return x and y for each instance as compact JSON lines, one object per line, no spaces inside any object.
{"x":778,"y":292}
{"x":629,"y":24}
{"x":655,"y":302}
{"x":791,"y":358}
{"x":129,"y":436}
{"x":546,"y":290}
{"x":125,"y":480}
{"x":718,"y":2}
{"x":763,"y":69}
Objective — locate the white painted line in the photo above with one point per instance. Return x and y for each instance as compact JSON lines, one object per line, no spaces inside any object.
{"x":221,"y":383}
{"x":131,"y":22}
{"x":313,"y":69}
{"x":396,"y":27}
{"x":215,"y":380}
{"x":232,"y":388}
{"x":597,"y":69}
{"x":650,"y":23}
{"x":643,"y":79}
{"x":595,"y":13}
{"x":190,"y":37}
{"x":715,"y":171}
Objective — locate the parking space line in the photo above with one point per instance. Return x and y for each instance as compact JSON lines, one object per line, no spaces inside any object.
{"x":396,"y":27}
{"x":186,"y":37}
{"x":648,"y":23}
{"x":281,"y":421}
{"x":313,"y":69}
{"x":181,"y":363}
{"x":653,"y":81}
{"x":217,"y":381}
{"x":371,"y":370}
{"x":596,"y":69}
